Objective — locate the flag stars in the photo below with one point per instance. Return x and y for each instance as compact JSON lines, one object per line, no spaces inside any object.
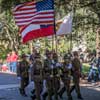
{"x":48,"y":5}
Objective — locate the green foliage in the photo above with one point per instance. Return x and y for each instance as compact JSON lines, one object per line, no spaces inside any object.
{"x":91,"y":38}
{"x":85,"y":22}
{"x":85,"y":68}
{"x":3,"y":52}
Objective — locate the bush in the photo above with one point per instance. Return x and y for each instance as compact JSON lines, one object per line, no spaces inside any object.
{"x":85,"y":68}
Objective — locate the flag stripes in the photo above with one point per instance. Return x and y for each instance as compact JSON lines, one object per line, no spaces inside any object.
{"x":24,"y":5}
{"x":27,"y":13}
{"x":35,"y":19}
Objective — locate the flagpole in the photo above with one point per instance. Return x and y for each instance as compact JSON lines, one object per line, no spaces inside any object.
{"x":55,"y":38}
{"x":71,"y":41}
{"x":52,"y":42}
{"x":56,"y":43}
{"x":71,"y":35}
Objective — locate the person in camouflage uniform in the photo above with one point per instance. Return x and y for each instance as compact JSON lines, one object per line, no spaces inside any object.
{"x":56,"y":76}
{"x":66,"y":76}
{"x":32,"y":59}
{"x":37,"y":75}
{"x":76,"y":73}
{"x":23,"y":67}
{"x":48,"y":75}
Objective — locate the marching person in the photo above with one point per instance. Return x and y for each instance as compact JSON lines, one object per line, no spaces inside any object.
{"x":48,"y":65}
{"x":23,"y":74}
{"x":76,"y":73}
{"x":37,"y":75}
{"x":56,"y":75}
{"x":66,"y":77}
{"x":32,"y":59}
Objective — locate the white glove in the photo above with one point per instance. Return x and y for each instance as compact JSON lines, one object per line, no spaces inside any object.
{"x":52,"y":66}
{"x":31,"y":65}
{"x":58,"y":64}
{"x":44,"y":83}
{"x":32,"y":82}
{"x":19,"y":78}
{"x":70,"y":66}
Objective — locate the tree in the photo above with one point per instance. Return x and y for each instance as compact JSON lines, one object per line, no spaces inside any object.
{"x":86,"y":19}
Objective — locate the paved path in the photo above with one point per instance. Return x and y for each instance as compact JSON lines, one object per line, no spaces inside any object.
{"x":9,"y":90}
{"x":6,"y":78}
{"x":9,"y":85}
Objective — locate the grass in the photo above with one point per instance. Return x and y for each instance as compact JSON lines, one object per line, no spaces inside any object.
{"x":85,"y":68}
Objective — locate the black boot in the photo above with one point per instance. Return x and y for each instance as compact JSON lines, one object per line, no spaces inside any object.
{"x":80,"y":97}
{"x":45,"y":95}
{"x":60,"y":93}
{"x":33,"y":91}
{"x":72,"y":88}
{"x":22,"y":92}
{"x":33,"y":97}
{"x":70,"y":98}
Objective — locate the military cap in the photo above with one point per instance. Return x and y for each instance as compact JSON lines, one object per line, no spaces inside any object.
{"x":75,"y":53}
{"x":23,"y":56}
{"x":49,"y":53}
{"x":67,"y":56}
{"x":37,"y":55}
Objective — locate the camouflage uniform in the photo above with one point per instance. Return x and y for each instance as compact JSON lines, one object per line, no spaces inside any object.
{"x":51,"y":75}
{"x":56,"y":82}
{"x":76,"y":74}
{"x":22,"y":70}
{"x":37,"y":73}
{"x":32,"y":59}
{"x":56,"y":76}
{"x":48,"y":75}
{"x":66,"y":76}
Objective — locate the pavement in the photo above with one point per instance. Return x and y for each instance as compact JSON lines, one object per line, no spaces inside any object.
{"x":9,"y":89}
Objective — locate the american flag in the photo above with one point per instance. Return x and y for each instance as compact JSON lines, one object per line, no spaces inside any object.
{"x":35,"y":19}
{"x":41,"y":13}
